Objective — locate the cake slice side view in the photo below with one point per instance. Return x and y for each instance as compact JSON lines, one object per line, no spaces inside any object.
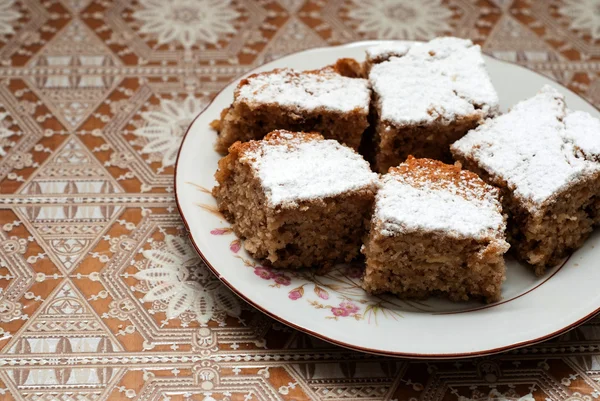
{"x":297,"y":199}
{"x":425,"y":97}
{"x":323,"y":101}
{"x":435,"y":230}
{"x":544,"y":158}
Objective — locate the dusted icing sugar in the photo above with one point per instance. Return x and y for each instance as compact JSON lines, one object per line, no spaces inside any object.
{"x":325,"y":89}
{"x":459,"y":208}
{"x":295,"y":169}
{"x":536,"y":147}
{"x":583,"y":131}
{"x":438,"y":81}
{"x":389,"y":49}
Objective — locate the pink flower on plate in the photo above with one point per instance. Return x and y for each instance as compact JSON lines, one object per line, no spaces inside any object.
{"x":221,"y":231}
{"x":341,"y":312}
{"x":349,"y":306}
{"x":296,"y":293}
{"x":263,"y":273}
{"x":283,"y":280}
{"x":235,"y":246}
{"x":321,"y":293}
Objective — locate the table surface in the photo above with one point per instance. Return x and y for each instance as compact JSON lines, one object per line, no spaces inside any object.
{"x":94,"y":99}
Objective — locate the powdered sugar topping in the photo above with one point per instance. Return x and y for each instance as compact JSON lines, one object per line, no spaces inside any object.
{"x":438,"y":81}
{"x":405,"y":204}
{"x":536,"y":148}
{"x":388,"y":49}
{"x":295,"y":170}
{"x":306,"y":91}
{"x":583,"y":131}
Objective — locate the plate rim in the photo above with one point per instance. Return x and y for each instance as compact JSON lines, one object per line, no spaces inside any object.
{"x":240,"y":294}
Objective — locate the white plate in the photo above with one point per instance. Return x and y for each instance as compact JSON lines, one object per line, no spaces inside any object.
{"x":334,"y":307}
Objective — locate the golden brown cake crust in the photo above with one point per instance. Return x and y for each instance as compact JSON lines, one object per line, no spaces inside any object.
{"x":350,"y":68}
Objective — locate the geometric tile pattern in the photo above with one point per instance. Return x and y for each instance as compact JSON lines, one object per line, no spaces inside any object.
{"x":102,"y":297}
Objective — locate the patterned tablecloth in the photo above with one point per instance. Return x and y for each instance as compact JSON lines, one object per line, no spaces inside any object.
{"x":98,"y":285}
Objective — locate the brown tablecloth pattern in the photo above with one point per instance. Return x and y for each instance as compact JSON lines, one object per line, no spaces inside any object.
{"x":97,"y":282}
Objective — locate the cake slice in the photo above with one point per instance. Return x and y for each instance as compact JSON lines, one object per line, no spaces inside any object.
{"x":297,"y":199}
{"x":544,"y":158}
{"x":324,"y":101}
{"x":436,"y":230}
{"x":425,"y":97}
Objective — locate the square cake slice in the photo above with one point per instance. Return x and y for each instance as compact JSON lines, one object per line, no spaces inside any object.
{"x":297,"y":199}
{"x":425,"y":97}
{"x":436,"y":230}
{"x":544,"y":158}
{"x":323,"y":101}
